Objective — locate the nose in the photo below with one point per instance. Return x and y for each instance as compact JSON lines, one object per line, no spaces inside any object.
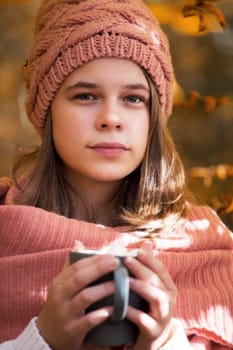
{"x":109,"y":117}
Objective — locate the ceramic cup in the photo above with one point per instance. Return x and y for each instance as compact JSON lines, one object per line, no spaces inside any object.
{"x":117,"y":330}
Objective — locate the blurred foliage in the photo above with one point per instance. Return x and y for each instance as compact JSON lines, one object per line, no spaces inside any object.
{"x":7,"y":2}
{"x":201,"y":17}
{"x":200,"y":34}
{"x":195,"y":17}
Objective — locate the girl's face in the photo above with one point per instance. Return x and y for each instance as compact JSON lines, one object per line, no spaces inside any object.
{"x":100,"y":121}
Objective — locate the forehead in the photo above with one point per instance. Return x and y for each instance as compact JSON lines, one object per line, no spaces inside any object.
{"x":108,"y":70}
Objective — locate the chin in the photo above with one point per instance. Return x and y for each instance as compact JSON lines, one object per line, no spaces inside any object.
{"x":107,"y":175}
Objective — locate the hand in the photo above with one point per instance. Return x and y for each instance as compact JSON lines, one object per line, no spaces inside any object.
{"x":62,"y":322}
{"x":153,"y":282}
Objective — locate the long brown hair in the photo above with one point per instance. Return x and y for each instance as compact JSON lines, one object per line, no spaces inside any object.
{"x":152,"y":199}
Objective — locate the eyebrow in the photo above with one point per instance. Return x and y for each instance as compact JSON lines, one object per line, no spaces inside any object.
{"x":81,"y":84}
{"x":137,"y":87}
{"x":84,"y":84}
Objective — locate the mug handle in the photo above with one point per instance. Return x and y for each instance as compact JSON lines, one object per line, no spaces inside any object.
{"x":121,"y":295}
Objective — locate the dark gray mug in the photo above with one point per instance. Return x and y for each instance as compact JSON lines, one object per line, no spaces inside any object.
{"x":117,"y":330}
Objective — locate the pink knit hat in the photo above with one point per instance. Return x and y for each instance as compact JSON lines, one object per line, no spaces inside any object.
{"x":69,"y":33}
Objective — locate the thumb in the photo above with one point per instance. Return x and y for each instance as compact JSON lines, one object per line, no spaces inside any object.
{"x":147,"y":245}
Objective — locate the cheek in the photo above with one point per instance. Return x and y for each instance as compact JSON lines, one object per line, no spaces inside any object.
{"x":66,"y":124}
{"x":64,"y":136}
{"x":68,"y":138}
{"x":143,"y":132}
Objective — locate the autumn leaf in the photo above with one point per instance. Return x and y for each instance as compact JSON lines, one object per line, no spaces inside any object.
{"x":209,"y":103}
{"x":194,"y":99}
{"x":206,"y":11}
{"x":193,"y":17}
{"x":188,"y":102}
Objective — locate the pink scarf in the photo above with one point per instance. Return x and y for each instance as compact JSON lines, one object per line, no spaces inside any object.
{"x":34,"y":244}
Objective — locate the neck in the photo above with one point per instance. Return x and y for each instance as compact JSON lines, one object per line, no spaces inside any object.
{"x":97,"y":201}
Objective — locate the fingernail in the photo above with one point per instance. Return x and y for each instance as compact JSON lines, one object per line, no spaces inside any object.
{"x":147,"y":246}
{"x":101,"y":313}
{"x":129,"y":259}
{"x":114,"y":262}
{"x":78,"y":245}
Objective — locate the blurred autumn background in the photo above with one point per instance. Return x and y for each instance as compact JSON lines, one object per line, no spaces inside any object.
{"x":201,"y":40}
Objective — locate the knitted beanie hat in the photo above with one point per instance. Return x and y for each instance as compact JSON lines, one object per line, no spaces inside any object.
{"x":69,"y":33}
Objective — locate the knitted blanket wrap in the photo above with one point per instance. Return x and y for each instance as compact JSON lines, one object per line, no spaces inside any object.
{"x":34,"y":244}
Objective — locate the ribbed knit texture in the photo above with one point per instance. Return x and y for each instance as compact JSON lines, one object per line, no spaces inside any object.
{"x":34,"y":244}
{"x":70,"y":33}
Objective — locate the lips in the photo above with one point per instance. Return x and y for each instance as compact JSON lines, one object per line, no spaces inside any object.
{"x":109,"y":149}
{"x":110,"y":145}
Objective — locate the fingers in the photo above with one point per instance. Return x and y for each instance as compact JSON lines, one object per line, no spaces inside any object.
{"x":84,"y":324}
{"x":145,"y":322}
{"x":149,"y":260}
{"x":87,"y":262}
{"x":64,"y":334}
{"x":159,"y":292}
{"x":153,"y":283}
{"x":152,"y":325}
{"x":148,"y":268}
{"x":80,"y":274}
{"x":62,"y":319}
{"x":160,"y":301}
{"x":88,"y":296}
{"x":152,"y":334}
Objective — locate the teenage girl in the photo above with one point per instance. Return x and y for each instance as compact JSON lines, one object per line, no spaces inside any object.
{"x":99,"y":83}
